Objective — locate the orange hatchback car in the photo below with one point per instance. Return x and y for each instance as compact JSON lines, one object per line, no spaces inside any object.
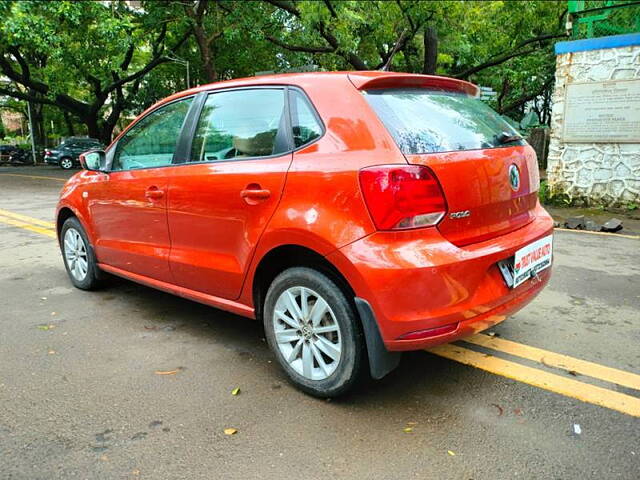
{"x":356,"y":214}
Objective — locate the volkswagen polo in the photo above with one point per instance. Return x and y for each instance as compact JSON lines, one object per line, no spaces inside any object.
{"x":356,"y":214}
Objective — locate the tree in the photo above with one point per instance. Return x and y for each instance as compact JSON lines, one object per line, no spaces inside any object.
{"x":503,"y":45}
{"x":90,"y":66}
{"x":86,"y":58}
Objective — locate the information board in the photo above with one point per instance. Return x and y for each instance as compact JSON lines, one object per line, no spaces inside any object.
{"x":602,"y":112}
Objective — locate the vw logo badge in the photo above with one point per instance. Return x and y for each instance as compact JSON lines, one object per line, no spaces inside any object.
{"x":514,"y":177}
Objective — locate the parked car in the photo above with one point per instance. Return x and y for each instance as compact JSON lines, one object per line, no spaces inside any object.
{"x":66,"y":154}
{"x":357,"y":215}
{"x":21,"y":156}
{"x":6,"y":151}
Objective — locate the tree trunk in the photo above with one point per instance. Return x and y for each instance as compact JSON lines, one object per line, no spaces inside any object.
{"x":37,"y":123}
{"x":105,"y":133}
{"x":206,"y":54}
{"x":93,"y":129}
{"x":430,"y":51}
{"x":69,"y":122}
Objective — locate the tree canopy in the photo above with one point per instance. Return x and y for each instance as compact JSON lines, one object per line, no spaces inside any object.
{"x":89,"y":66}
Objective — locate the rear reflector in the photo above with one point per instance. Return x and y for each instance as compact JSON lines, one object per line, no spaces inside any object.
{"x":402,"y":196}
{"x":429,"y":332}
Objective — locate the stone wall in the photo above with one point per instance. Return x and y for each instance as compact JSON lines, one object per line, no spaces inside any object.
{"x":596,"y":173}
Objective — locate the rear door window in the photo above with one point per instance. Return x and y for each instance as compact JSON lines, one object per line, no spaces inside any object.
{"x":430,"y":121}
{"x":239,"y":124}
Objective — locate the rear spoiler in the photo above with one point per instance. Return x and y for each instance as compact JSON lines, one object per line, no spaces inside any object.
{"x":378,"y":80}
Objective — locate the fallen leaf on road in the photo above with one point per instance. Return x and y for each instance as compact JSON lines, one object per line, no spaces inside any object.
{"x":53,"y":313}
{"x":167,"y":372}
{"x":104,"y":458}
{"x":407,"y":429}
{"x":573,"y":372}
{"x":230,"y":431}
{"x":51,"y":352}
{"x":46,"y":327}
{"x":500,"y":410}
{"x":451,"y":453}
{"x":150,"y":327}
{"x":235,"y":391}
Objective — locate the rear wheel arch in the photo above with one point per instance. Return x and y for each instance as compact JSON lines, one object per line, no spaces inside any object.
{"x":282,"y":257}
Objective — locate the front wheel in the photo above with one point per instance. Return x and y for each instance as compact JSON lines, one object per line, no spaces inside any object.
{"x":314,"y":332}
{"x":78,"y":256}
{"x":66,"y":163}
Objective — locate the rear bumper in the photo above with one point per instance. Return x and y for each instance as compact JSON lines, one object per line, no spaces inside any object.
{"x":416,"y":280}
{"x":51,"y":160}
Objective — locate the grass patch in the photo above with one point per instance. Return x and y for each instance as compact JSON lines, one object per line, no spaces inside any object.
{"x":547,"y":197}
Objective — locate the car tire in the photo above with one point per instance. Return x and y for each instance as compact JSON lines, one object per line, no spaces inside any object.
{"x":66,"y":163}
{"x":320,"y":346}
{"x":77,"y":254}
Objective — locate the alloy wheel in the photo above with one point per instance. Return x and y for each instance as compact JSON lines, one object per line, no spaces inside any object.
{"x":307,"y":333}
{"x":75,"y":254}
{"x":66,"y":163}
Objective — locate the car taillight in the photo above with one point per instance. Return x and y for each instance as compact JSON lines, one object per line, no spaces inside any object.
{"x":47,"y":152}
{"x":402,"y":196}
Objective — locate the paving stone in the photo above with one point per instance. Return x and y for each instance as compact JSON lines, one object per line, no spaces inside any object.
{"x":575,"y":223}
{"x":592,"y":226}
{"x":613,"y":225}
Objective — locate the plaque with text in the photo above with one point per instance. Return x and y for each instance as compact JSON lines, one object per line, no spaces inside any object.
{"x":602,"y":112}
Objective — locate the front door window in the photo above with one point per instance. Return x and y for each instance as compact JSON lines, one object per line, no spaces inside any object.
{"x":152,"y":141}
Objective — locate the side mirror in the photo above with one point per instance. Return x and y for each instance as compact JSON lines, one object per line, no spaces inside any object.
{"x":93,"y":160}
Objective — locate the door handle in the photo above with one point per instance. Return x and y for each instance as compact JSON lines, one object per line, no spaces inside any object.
{"x":154,"y":193}
{"x":254,"y":194}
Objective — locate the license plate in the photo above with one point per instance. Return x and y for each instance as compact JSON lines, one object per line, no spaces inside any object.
{"x":528,"y":261}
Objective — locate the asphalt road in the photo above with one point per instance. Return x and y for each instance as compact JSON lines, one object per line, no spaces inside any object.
{"x":80,"y":395}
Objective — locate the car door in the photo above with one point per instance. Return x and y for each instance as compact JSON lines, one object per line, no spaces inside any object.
{"x":128,"y":206}
{"x":75,"y":149}
{"x":221,"y":200}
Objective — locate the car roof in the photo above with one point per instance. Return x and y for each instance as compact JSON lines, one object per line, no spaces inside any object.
{"x":360,"y":79}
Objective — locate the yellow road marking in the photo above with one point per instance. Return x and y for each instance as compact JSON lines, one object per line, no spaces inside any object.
{"x":635,"y":237}
{"x":541,"y":379}
{"x":27,"y":226}
{"x":557,"y":360}
{"x":25,"y":218}
{"x":33,"y":176}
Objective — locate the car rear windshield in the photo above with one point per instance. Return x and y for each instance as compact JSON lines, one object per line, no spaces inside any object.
{"x":430,"y":121}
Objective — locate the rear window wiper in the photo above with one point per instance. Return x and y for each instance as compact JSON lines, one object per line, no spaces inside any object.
{"x":505,"y":137}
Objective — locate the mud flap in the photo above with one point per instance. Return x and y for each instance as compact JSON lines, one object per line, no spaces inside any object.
{"x":381,"y":360}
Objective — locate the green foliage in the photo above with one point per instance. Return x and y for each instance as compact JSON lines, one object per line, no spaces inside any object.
{"x":76,"y":51}
{"x":548,"y":197}
{"x":543,"y":192}
{"x":470,"y":34}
